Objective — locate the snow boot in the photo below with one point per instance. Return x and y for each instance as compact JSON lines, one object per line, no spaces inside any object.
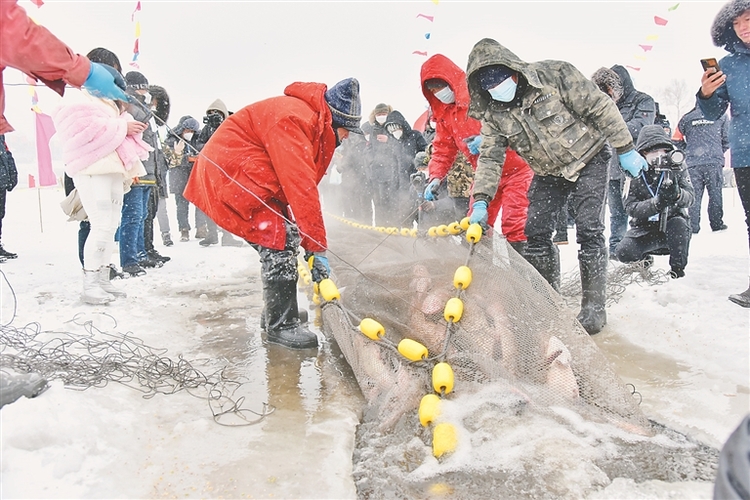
{"x":92,"y":291}
{"x":184,"y":235}
{"x":227,"y":240}
{"x":6,"y":254}
{"x":201,"y":232}
{"x":548,"y":266}
{"x":741,"y":299}
{"x":593,"y":266}
{"x":133,"y":271}
{"x":106,"y":285}
{"x":210,"y":239}
{"x":155,"y":255}
{"x":283,"y":325}
{"x":166,"y":239}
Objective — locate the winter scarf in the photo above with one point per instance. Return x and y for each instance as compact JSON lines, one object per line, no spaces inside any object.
{"x":89,"y":133}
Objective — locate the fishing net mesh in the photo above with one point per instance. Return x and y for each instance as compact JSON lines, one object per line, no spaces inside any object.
{"x":514,"y":330}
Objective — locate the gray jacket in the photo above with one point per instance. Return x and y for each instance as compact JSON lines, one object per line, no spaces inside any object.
{"x":558,"y":121}
{"x":703,"y":140}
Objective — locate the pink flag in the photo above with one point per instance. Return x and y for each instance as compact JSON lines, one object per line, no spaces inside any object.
{"x":646,"y":48}
{"x":420,"y":53}
{"x":429,"y":18}
{"x":660,"y":21}
{"x":31,"y":181}
{"x":45,"y":129}
{"x":38,"y":3}
{"x":633,"y":68}
{"x":137,"y":8}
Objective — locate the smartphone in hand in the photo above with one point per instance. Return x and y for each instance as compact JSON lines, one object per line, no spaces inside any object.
{"x":710,"y":63}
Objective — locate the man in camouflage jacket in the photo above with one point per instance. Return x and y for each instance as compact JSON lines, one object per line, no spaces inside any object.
{"x":559,"y":122}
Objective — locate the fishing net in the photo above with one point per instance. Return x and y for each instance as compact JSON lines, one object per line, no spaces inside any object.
{"x":519,"y":360}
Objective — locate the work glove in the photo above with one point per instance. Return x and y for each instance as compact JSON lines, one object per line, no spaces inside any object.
{"x":473,"y":143}
{"x":179,"y":147}
{"x":319,"y":269}
{"x":101,"y":83}
{"x":478,"y":213}
{"x":430,"y":192}
{"x":632,"y":163}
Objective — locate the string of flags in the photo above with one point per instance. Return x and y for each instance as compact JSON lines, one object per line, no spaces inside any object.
{"x":136,"y":45}
{"x":651,"y":38}
{"x":428,"y":34}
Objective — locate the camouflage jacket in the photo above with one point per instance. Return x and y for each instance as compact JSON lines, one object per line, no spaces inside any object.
{"x":459,"y":178}
{"x":558,"y":121}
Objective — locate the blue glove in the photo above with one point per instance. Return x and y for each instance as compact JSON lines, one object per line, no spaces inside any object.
{"x":320,"y":269}
{"x":478,"y":213}
{"x":101,"y":83}
{"x":633,"y":163}
{"x":474,"y":143}
{"x":430,"y":192}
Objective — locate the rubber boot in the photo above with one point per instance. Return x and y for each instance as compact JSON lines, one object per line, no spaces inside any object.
{"x":283,"y":324}
{"x":106,"y":284}
{"x":741,"y":299}
{"x":519,"y":247}
{"x":548,"y":266}
{"x":92,"y":291}
{"x":593,"y":266}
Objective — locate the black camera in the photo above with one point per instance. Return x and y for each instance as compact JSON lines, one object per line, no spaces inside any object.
{"x":418,"y":180}
{"x":672,"y":161}
{"x":213,"y":120}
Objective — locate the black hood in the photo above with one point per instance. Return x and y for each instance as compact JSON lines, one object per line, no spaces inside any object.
{"x":398,"y":118}
{"x":722,"y":32}
{"x":651,"y":136}
{"x":627,"y":82}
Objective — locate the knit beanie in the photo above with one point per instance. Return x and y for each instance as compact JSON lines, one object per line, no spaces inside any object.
{"x":136,"y":81}
{"x":346,"y":108}
{"x":491,"y":76}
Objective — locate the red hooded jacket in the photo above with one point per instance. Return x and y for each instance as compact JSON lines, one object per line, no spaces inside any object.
{"x":31,"y":48}
{"x":266,"y":160}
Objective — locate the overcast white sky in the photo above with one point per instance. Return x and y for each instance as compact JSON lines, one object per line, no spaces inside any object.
{"x":245,"y":51}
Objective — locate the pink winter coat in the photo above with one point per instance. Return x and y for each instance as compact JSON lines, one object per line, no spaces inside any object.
{"x":92,"y":130}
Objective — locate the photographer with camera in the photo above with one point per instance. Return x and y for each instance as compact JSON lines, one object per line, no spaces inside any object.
{"x":657,"y":202}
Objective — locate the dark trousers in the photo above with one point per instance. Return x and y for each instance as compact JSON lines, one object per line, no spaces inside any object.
{"x":3,"y":196}
{"x":585,"y":197}
{"x":148,"y":224}
{"x":618,"y":218}
{"x":84,"y":228}
{"x":710,"y":178}
{"x":675,"y":242}
{"x":742,"y":177}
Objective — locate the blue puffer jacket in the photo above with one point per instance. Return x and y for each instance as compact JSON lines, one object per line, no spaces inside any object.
{"x":736,"y":66}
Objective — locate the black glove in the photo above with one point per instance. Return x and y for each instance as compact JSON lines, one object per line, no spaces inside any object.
{"x":670,"y":193}
{"x":660,"y":202}
{"x":319,"y":269}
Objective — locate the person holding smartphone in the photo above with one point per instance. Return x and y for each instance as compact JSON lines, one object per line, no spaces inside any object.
{"x":727,"y":83}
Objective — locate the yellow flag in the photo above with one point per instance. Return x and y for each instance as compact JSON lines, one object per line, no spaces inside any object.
{"x":652,"y":38}
{"x":138,"y":29}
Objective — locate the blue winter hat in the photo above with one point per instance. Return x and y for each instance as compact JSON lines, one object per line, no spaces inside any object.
{"x":490,"y":77}
{"x":346,"y":108}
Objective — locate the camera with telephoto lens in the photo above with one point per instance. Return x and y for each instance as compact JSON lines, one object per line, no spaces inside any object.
{"x":213,"y":120}
{"x":669,"y":162}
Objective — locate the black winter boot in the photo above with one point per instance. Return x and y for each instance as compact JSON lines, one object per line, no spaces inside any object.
{"x":548,"y":266}
{"x":282,"y":319}
{"x":519,"y":246}
{"x":741,"y":299}
{"x":593,"y":266}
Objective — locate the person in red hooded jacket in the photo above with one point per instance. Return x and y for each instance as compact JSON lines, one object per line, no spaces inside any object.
{"x":444,"y":86}
{"x":257,"y":177}
{"x":31,"y":48}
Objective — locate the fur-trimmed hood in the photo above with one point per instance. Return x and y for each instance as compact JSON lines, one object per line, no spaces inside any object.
{"x":722,"y":31}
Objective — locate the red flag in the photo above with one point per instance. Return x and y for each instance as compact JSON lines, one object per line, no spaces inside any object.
{"x":646,"y":48}
{"x":45,"y":129}
{"x":137,"y":8}
{"x":38,"y":3}
{"x":420,"y":53}
{"x":633,"y":68}
{"x":660,"y":21}
{"x":31,"y":181}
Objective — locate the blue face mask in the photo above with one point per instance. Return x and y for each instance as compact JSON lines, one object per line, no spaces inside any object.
{"x":505,"y":91}
{"x":446,"y":95}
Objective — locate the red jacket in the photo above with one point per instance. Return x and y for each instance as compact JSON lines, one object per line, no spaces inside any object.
{"x":265,"y":160}
{"x":31,"y":48}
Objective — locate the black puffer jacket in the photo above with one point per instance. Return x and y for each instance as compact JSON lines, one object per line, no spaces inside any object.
{"x":637,"y":108}
{"x":640,"y":203}
{"x":405,"y":148}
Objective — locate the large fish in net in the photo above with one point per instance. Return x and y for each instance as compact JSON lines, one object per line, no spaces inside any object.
{"x":527,"y":378}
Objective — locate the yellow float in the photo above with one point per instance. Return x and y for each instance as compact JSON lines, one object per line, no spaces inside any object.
{"x":444,"y":439}
{"x":462,"y":278}
{"x":371,"y":328}
{"x":429,"y":409}
{"x":442,"y":378}
{"x":412,"y":350}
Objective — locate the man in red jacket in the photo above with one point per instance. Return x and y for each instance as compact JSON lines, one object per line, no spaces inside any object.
{"x":257,"y":177}
{"x":444,"y":86}
{"x":31,"y":48}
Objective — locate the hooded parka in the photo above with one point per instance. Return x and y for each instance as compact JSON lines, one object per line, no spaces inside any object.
{"x":558,"y":124}
{"x":453,"y":125}
{"x":263,"y":164}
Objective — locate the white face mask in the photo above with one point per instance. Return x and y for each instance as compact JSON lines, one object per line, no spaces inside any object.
{"x":505,"y":91}
{"x":381,"y":119}
{"x":445,"y":95}
{"x":433,"y":125}
{"x":367,"y":137}
{"x":398,"y":133}
{"x":187,"y":136}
